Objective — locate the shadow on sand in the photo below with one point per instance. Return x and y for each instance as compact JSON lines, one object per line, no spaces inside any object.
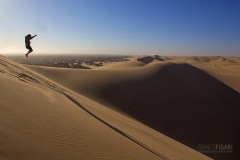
{"x":184,"y":103}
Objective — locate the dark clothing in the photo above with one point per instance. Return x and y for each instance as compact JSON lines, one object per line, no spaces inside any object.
{"x":27,"y":40}
{"x":29,"y":47}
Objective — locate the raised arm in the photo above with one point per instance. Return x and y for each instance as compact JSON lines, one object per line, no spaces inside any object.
{"x":33,"y":36}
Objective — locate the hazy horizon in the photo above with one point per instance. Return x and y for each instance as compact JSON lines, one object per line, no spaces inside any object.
{"x":128,"y":27}
{"x":109,"y":54}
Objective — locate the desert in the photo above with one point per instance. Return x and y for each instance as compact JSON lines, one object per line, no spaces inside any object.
{"x":139,"y":107}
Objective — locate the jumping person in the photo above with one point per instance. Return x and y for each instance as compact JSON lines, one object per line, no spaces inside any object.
{"x":27,"y":42}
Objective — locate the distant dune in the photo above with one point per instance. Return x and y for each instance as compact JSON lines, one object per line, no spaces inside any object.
{"x":189,"y":99}
{"x":41,"y":119}
{"x":122,"y":65}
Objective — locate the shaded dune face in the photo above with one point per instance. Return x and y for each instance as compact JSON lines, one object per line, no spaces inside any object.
{"x":184,"y":103}
{"x":149,"y":59}
{"x":146,"y":59}
{"x":158,"y":58}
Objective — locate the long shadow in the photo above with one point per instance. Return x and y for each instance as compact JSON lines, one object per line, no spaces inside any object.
{"x":186,"y":104}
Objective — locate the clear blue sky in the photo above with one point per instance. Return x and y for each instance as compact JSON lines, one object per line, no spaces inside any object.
{"x":167,"y":27}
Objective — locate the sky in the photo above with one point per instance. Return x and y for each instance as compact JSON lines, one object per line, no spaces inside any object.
{"x":164,"y":27}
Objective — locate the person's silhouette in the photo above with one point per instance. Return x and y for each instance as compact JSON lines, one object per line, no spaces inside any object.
{"x":27,"y":42}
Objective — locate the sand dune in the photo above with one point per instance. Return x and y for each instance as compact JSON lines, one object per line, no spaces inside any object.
{"x":227,"y":70}
{"x":172,"y":97}
{"x":121,"y":65}
{"x":133,"y":62}
{"x":41,"y":119}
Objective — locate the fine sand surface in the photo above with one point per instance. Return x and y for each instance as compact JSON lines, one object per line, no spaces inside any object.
{"x":41,"y":119}
{"x":194,"y":100}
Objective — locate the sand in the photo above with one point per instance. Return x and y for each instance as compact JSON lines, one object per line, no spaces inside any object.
{"x":147,"y":108}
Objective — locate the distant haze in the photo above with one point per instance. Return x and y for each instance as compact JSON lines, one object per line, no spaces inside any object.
{"x":186,"y":27}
